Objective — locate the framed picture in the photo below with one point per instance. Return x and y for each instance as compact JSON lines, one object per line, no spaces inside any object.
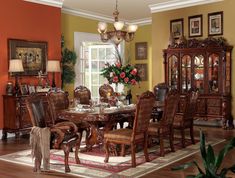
{"x":141,"y":50}
{"x":195,"y":26}
{"x":177,"y":28}
{"x":33,"y":55}
{"x":215,"y":23}
{"x":143,"y":71}
{"x":31,"y":89}
{"x":24,"y":89}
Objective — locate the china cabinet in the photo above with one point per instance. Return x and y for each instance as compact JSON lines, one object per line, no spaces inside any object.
{"x":204,"y":65}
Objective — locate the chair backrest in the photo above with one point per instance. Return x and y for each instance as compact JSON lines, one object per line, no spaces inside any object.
{"x":143,"y":112}
{"x":82,"y":94}
{"x":160,"y":91}
{"x":39,"y":110}
{"x":170,"y":106}
{"x":58,"y":101}
{"x":191,"y":103}
{"x":105,"y":90}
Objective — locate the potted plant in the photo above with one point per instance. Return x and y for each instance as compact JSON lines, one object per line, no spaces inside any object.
{"x":69,"y":58}
{"x":211,"y":162}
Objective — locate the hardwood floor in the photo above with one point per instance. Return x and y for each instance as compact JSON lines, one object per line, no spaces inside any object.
{"x":11,"y":170}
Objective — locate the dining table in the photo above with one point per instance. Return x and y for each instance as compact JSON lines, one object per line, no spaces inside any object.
{"x":99,"y":120}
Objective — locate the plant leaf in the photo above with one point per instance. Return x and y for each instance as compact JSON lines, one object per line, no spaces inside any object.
{"x":223,"y":152}
{"x":203,"y":149}
{"x":210,"y":160}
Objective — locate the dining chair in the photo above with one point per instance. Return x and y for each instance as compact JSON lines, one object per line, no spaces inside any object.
{"x":160,"y":91}
{"x":183,"y":121}
{"x":137,"y":135}
{"x":82,"y":94}
{"x":105,"y":92}
{"x":63,"y":135}
{"x":164,"y":128}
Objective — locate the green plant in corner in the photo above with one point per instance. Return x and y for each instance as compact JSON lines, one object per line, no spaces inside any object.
{"x":211,"y":162}
{"x":69,"y":58}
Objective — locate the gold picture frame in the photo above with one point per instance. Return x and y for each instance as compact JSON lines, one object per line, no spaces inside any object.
{"x":32,"y":53}
{"x":142,"y":71}
{"x":141,"y":50}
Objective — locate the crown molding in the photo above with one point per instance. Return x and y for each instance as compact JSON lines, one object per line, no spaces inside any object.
{"x":176,"y":4}
{"x":101,"y":17}
{"x":54,"y":3}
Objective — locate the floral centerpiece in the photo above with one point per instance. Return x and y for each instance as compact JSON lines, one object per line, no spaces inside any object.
{"x":118,"y":73}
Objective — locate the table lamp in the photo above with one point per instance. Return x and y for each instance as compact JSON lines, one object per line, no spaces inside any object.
{"x":16,"y":66}
{"x":53,"y":66}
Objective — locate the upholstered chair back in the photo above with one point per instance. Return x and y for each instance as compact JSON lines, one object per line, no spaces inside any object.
{"x":82,"y":94}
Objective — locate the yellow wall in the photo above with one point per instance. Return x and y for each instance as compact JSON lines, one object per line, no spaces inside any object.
{"x":71,"y":24}
{"x":161,"y":31}
{"x":143,"y":34}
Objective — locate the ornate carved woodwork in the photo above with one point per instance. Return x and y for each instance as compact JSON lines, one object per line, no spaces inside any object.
{"x":206,"y":66}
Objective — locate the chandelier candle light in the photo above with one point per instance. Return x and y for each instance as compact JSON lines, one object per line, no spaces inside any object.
{"x":117,"y":35}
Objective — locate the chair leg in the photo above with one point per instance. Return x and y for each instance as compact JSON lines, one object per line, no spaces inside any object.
{"x":192,"y":135}
{"x":172,"y":140}
{"x":106,"y":147}
{"x":161,"y":145}
{"x":77,"y":146}
{"x":123,"y":150}
{"x":133,"y":161}
{"x":146,"y":149}
{"x":182,"y":137}
{"x":66,"y":149}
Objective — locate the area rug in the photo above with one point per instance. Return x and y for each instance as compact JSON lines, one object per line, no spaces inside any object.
{"x":93,"y":166}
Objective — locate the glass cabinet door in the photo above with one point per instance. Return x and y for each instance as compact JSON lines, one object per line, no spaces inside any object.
{"x":186,"y":73}
{"x":173,"y":72}
{"x":213,"y":79}
{"x":199,"y":73}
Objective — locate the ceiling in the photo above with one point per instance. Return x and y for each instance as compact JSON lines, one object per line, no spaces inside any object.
{"x":131,"y":11}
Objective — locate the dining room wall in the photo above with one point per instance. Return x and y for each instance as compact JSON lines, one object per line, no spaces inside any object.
{"x":28,"y":21}
{"x":161,"y":32}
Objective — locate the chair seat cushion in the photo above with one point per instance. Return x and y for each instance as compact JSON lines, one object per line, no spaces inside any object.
{"x":154,"y":127}
{"x":122,"y":134}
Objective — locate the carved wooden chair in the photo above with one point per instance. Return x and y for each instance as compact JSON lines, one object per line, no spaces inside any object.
{"x":184,"y":120}
{"x":160,"y":91}
{"x":105,"y":92}
{"x":164,"y":128}
{"x":64,"y":135}
{"x":82,"y":94}
{"x":137,"y":135}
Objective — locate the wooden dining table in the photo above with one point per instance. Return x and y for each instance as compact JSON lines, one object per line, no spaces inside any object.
{"x":99,"y":120}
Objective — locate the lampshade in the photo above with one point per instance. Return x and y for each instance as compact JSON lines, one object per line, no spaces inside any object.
{"x":53,"y":66}
{"x":132,"y":28}
{"x":16,"y":65}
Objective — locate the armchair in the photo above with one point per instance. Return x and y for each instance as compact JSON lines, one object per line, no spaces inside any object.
{"x":63,"y":135}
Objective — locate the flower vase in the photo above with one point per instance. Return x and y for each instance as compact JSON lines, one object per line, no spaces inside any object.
{"x":118,"y":88}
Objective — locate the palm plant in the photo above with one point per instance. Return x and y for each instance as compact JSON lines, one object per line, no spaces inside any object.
{"x":211,"y":162}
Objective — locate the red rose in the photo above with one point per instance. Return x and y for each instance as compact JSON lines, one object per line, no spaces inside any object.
{"x":133,"y":82}
{"x":115,"y":79}
{"x":126,"y":80}
{"x":118,"y":64}
{"x":134,"y":71}
{"x":122,"y":74}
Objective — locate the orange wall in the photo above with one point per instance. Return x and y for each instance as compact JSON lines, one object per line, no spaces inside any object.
{"x":28,"y":21}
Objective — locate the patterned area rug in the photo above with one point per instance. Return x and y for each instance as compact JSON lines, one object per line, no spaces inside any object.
{"x":93,"y":166}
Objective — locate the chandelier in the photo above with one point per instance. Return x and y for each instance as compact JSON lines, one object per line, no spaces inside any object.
{"x":117,"y":34}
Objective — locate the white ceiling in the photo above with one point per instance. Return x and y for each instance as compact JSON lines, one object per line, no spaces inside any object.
{"x":131,"y":11}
